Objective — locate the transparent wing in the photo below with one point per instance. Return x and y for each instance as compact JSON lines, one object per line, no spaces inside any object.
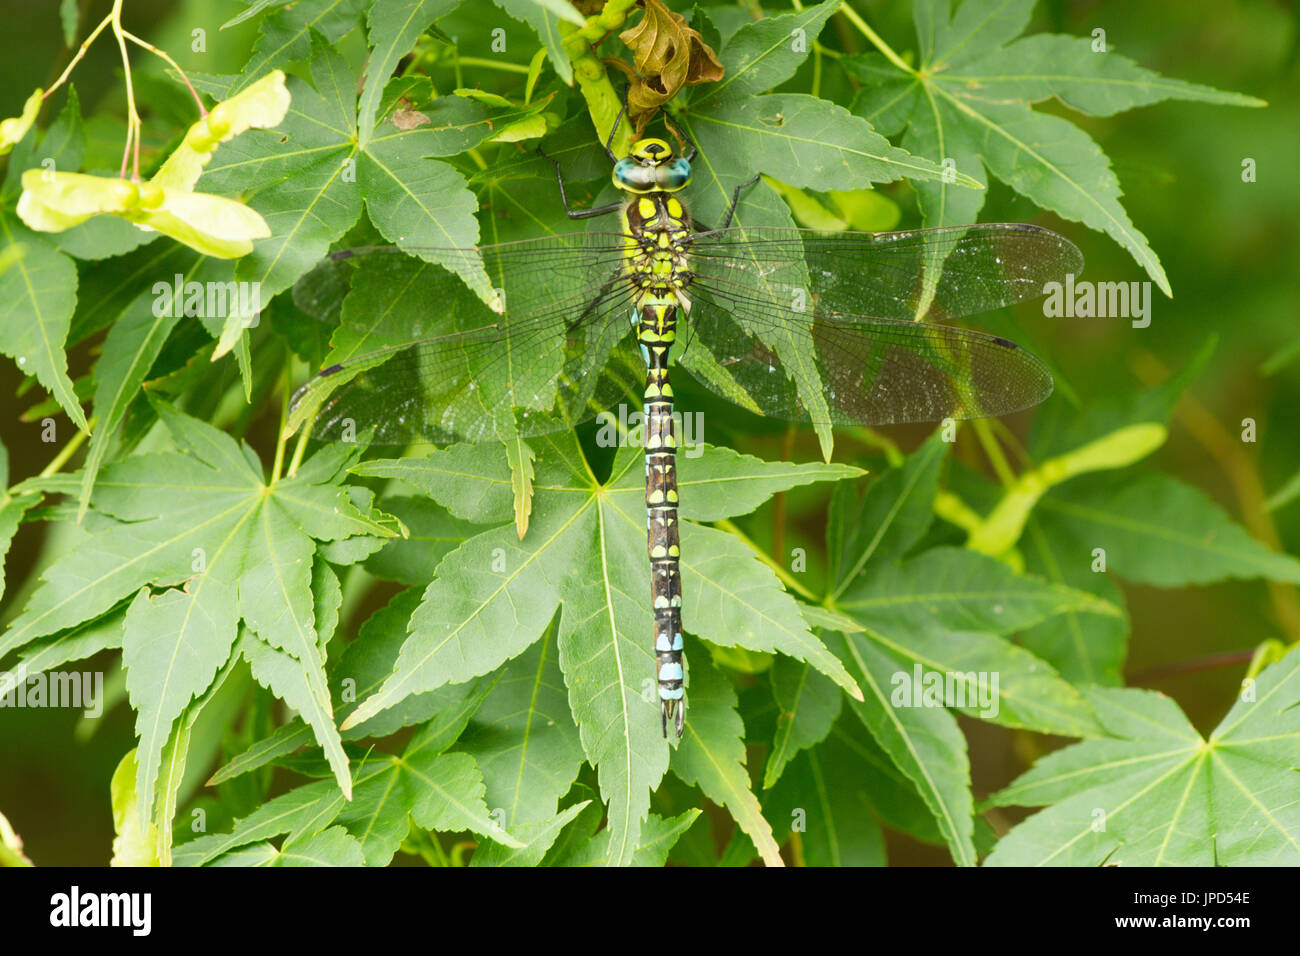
{"x":529,"y":274}
{"x":817,"y":327}
{"x":417,"y":358}
{"x":940,"y":274}
{"x":867,"y":371}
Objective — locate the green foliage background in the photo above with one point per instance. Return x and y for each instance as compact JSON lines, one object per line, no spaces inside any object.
{"x":1198,"y":534}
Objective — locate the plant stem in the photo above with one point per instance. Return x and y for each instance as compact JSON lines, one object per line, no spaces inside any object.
{"x":281,"y":439}
{"x":1208,"y":662}
{"x":504,"y":65}
{"x":133,"y":123}
{"x":874,"y":439}
{"x":994,"y":452}
{"x":459,"y":850}
{"x":419,"y":843}
{"x":602,"y":102}
{"x":68,"y":450}
{"x":1007,"y":437}
{"x":796,"y":849}
{"x":817,"y":69}
{"x":299,"y":450}
{"x":81,"y":52}
{"x":174,"y":65}
{"x":852,"y":16}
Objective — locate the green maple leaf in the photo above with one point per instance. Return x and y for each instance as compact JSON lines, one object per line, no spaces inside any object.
{"x":949,"y":608}
{"x":12,"y":508}
{"x":287,"y":34}
{"x":134,"y":341}
{"x":712,"y":756}
{"x":807,"y":709}
{"x":525,"y":741}
{"x":393,"y":29}
{"x":968,"y":100}
{"x":836,"y":795}
{"x":585,"y":550}
{"x":1083,"y":645}
{"x":334,"y":154}
{"x":804,"y":141}
{"x":423,"y":785}
{"x":436,"y":791}
{"x":360,"y":671}
{"x":1157,"y":530}
{"x":201,"y":543}
{"x":1086,"y":647}
{"x":539,"y":838}
{"x":948,"y":611}
{"x":332,"y":847}
{"x":656,"y":839}
{"x":38,"y":283}
{"x":1155,"y":793}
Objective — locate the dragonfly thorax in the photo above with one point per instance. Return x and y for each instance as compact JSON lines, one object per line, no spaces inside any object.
{"x":657,"y":255}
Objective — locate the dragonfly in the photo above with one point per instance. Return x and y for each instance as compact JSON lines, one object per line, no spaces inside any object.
{"x":797,"y":324}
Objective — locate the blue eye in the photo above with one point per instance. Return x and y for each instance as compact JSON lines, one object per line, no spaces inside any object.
{"x":632,"y":176}
{"x":673,"y":176}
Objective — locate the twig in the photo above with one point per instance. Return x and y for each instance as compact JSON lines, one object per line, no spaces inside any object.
{"x":852,"y":16}
{"x":174,"y":65}
{"x":994,"y":452}
{"x":81,"y":52}
{"x":133,"y":124}
{"x":1192,"y":665}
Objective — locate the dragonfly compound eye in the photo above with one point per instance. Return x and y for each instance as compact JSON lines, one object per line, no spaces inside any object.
{"x":673,"y":176}
{"x":631,"y":176}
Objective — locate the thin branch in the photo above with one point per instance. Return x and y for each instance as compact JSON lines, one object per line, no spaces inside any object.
{"x":174,"y":65}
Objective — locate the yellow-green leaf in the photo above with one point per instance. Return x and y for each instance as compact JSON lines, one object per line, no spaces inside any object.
{"x":134,"y":844}
{"x":15,"y":128}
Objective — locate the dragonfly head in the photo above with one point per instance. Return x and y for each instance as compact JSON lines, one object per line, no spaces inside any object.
{"x":651,"y":166}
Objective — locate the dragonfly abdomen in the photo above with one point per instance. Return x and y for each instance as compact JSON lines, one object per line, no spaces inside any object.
{"x":656,"y":326}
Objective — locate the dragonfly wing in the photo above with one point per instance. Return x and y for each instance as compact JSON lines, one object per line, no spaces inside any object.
{"x":870,"y":371}
{"x":936,"y":274}
{"x":527,"y":275}
{"x":417,"y":358}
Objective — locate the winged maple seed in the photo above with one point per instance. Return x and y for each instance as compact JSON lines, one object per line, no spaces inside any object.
{"x":225,"y":228}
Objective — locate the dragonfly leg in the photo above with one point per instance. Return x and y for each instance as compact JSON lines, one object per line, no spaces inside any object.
{"x":609,"y":140}
{"x":681,"y":133}
{"x":578,"y":213}
{"x":597,"y":301}
{"x":735,"y":198}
